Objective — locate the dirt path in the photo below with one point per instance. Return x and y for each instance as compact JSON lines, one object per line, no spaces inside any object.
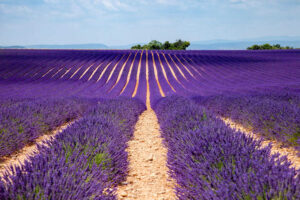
{"x":290,"y":152}
{"x":148,"y":172}
{"x":147,"y":178}
{"x":18,"y":158}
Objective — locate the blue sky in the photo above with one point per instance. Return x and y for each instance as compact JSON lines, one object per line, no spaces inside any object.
{"x":120,"y":22}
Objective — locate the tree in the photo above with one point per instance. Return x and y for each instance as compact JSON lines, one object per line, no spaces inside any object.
{"x":267,"y":47}
{"x":181,"y":45}
{"x":136,"y":46}
{"x":254,"y":47}
{"x":166,"y":45}
{"x":277,"y":46}
{"x":145,"y":46}
{"x":154,"y":44}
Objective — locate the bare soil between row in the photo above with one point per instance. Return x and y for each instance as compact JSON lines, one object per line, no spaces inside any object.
{"x":18,"y":158}
{"x":277,"y":147}
{"x":148,"y":173}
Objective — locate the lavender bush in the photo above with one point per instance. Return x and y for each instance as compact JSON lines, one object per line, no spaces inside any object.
{"x":22,"y":121}
{"x":85,"y":161}
{"x":211,"y":161}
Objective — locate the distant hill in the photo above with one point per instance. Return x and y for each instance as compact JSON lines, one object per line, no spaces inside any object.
{"x":128,"y":46}
{"x":195,"y":45}
{"x":12,"y":47}
{"x":58,"y":46}
{"x":68,"y":46}
{"x":240,"y":45}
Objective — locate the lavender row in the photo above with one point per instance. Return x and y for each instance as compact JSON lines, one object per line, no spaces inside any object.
{"x":211,"y":161}
{"x":85,"y":161}
{"x":24,"y":120}
{"x":274,"y":115}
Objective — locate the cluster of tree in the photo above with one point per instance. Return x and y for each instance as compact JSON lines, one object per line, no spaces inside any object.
{"x":154,"y":44}
{"x":267,"y":46}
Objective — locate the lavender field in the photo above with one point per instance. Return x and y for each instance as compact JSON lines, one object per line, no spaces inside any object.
{"x":105,"y":91}
{"x":114,"y":73}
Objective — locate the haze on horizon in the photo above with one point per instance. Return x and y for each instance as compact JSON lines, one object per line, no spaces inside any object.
{"x":121,"y":22}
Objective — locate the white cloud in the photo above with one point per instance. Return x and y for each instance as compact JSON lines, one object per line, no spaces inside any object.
{"x":117,"y":5}
{"x":246,"y":4}
{"x":98,"y":6}
{"x":52,"y":1}
{"x":14,"y":9}
{"x":109,"y":4}
{"x":238,"y":1}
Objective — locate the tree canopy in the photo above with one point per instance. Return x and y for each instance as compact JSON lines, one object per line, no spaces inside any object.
{"x":154,"y":44}
{"x":267,"y":47}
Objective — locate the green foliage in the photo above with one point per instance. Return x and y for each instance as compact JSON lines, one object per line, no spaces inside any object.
{"x":38,"y":192}
{"x":68,"y":152}
{"x":166,"y":45}
{"x":294,"y":137}
{"x":20,"y":129}
{"x":103,"y":159}
{"x":19,"y":197}
{"x":100,"y":158}
{"x":180,"y":45}
{"x":3,"y":130}
{"x":136,"y":47}
{"x":220,"y":165}
{"x":204,"y":116}
{"x":267,"y":47}
{"x":154,"y":44}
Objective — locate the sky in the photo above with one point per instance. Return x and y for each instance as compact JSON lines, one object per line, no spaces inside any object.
{"x":122,"y":22}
